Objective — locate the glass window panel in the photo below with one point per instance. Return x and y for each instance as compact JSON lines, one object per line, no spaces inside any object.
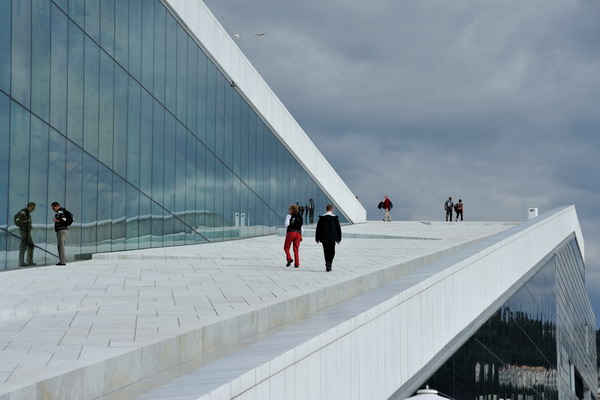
{"x":202,"y":97}
{"x":21,"y":52}
{"x":75,"y":85}
{"x":89,"y":212}
{"x":210,"y":193}
{"x":201,"y":188}
{"x":4,"y":163}
{"x":133,"y":218}
{"x":190,"y":183}
{"x":63,"y":4}
{"x":18,"y":188}
{"x":169,"y":162}
{"x":160,"y":18}
{"x":133,"y":133}
{"x":181,"y":177}
{"x":211,"y":102}
{"x":38,"y":185}
{"x":135,"y":39}
{"x":192,"y":85}
{"x":171,"y":64}
{"x":107,"y":25}
{"x":120,"y":122}
{"x":104,"y":217}
{"x":182,"y":52}
{"x":219,"y":200}
{"x":158,"y":154}
{"x":219,"y":148}
{"x":145,"y":222}
{"x":122,"y":32}
{"x":91,"y":89}
{"x":148,"y":44}
{"x":243,"y":142}
{"x":237,"y":133}
{"x":157,"y":232}
{"x":5,"y":49}
{"x":146,"y":127}
{"x":58,"y":74}
{"x":107,"y":81}
{"x":40,"y":58}
{"x":92,"y":19}
{"x":77,"y":11}
{"x":119,"y":201}
{"x":228,"y":127}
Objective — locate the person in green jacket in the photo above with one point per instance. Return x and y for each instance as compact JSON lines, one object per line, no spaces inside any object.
{"x":23,"y":221}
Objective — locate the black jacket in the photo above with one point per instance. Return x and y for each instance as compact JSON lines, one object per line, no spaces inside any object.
{"x":295,"y":223}
{"x":62,"y":222}
{"x":328,"y":229}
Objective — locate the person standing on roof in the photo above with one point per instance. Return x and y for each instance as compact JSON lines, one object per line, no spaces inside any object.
{"x":449,"y":206}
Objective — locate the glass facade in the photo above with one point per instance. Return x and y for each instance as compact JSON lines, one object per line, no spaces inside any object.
{"x":112,"y":109}
{"x":517,"y":354}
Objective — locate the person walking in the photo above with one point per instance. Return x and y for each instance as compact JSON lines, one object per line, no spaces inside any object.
{"x":62,"y":220}
{"x":459,"y":207}
{"x":328,"y":233}
{"x":387,"y":206}
{"x":449,"y":206}
{"x":293,"y":235}
{"x":311,"y":211}
{"x":23,"y":221}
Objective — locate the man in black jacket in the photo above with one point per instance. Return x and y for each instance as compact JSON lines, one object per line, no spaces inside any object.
{"x":328,"y":233}
{"x":62,"y":220}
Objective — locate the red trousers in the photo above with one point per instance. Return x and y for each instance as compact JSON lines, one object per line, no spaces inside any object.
{"x":296,"y":238}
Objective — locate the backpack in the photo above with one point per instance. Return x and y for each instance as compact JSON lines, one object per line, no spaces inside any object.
{"x":68,"y":216}
{"x":20,"y":219}
{"x":380,"y":205}
{"x":391,"y":205}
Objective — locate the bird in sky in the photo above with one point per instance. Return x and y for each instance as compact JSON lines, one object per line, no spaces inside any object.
{"x":240,"y":35}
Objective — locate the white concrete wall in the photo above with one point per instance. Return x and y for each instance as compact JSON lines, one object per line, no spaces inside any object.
{"x":372,"y":345}
{"x":222,"y":48}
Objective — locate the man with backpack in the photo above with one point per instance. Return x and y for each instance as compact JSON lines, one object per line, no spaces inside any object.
{"x":387,"y":206}
{"x":62,"y":220}
{"x":23,"y":221}
{"x":449,"y":206}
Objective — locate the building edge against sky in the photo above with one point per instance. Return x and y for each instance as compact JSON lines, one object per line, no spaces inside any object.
{"x":145,"y":120}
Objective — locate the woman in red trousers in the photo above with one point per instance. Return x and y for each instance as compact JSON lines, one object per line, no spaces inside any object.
{"x":293,"y":236}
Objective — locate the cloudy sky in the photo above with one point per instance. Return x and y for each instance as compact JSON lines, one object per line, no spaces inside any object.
{"x":495,"y":102}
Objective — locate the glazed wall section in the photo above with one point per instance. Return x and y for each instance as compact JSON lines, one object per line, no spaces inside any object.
{"x":526,"y":349}
{"x":112,"y":109}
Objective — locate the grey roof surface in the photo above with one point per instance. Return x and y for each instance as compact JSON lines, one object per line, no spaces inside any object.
{"x":55,"y":320}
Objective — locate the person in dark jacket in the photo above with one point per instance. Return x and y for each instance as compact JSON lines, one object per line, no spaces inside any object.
{"x":61,"y":227}
{"x":23,"y":221}
{"x":328,"y":233}
{"x":293,"y":235}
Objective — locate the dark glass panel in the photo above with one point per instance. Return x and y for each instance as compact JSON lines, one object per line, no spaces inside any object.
{"x":159,"y":51}
{"x":191,"y":180}
{"x":133,"y":133}
{"x":38,"y":185}
{"x":89,"y":211}
{"x":106,"y":121}
{"x":158,"y":155}
{"x":220,"y":116}
{"x":21,"y":52}
{"x":135,"y":39}
{"x":210,"y":194}
{"x":120,"y":122}
{"x":171,"y":64}
{"x":104,"y":209}
{"x":192,"y":85}
{"x":107,"y":26}
{"x":20,"y":132}
{"x":201,"y":115}
{"x":181,"y":177}
{"x":182,"y":64}
{"x":219,"y":188}
{"x":169,"y":162}
{"x":75,"y":85}
{"x":148,"y":44}
{"x":91,"y":90}
{"x":77,"y":12}
{"x":4,"y":161}
{"x":119,"y":201}
{"x":157,"y":230}
{"x":227,"y":156}
{"x":122,"y":32}
{"x":92,"y":19}
{"x":132,"y":211}
{"x":236,"y":138}
{"x":211,"y":102}
{"x":201,"y":189}
{"x":5,"y":50}
{"x":145,"y":224}
{"x":59,"y":72}
{"x":146,"y":127}
{"x":243,"y":141}
{"x":40,"y":58}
